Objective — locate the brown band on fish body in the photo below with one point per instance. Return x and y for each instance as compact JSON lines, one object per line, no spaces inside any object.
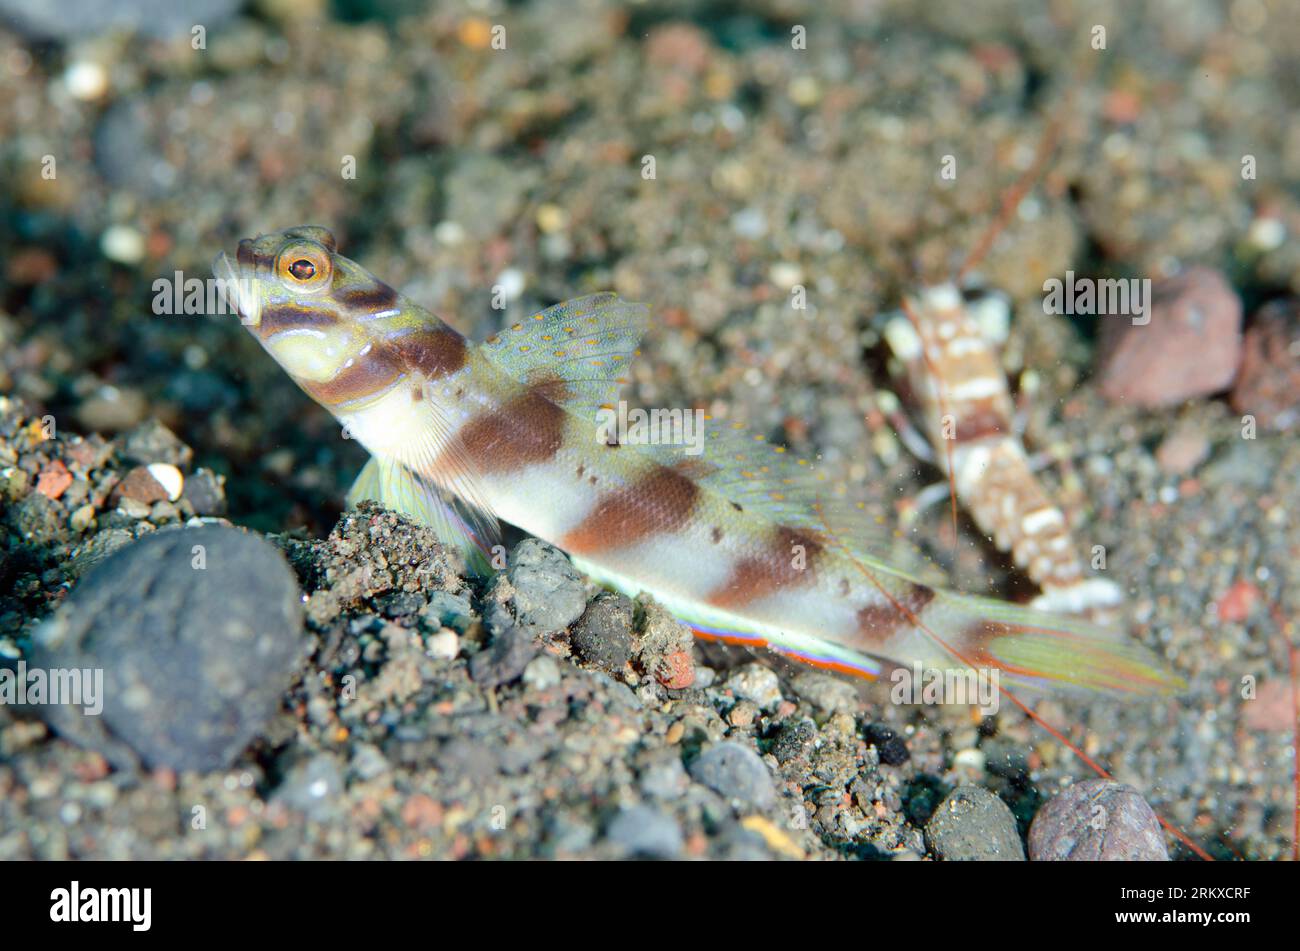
{"x":772,"y":570}
{"x":369,"y":375}
{"x":881,"y":620}
{"x":525,"y":431}
{"x":277,"y":318}
{"x":976,"y":639}
{"x":548,"y":386}
{"x":661,"y":502}
{"x":371,"y":298}
{"x":248,"y":256}
{"x":436,"y":352}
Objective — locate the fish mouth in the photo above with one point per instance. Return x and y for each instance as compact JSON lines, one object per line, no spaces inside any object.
{"x":239,"y":289}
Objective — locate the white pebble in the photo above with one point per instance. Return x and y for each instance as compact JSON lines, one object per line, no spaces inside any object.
{"x":123,"y":244}
{"x":542,"y":673}
{"x":449,"y":233}
{"x":786,"y":274}
{"x":86,"y":80}
{"x":444,"y":645}
{"x":1267,"y":234}
{"x":169,"y":477}
{"x":511,"y":282}
{"x":970,"y":758}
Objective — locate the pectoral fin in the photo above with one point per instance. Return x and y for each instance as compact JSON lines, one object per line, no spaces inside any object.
{"x":459,"y":525}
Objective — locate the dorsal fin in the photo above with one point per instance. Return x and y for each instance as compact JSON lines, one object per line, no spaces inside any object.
{"x":584,"y":346}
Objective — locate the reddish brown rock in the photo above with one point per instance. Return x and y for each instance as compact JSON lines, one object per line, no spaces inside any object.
{"x":678,"y":671}
{"x":1097,"y":820}
{"x":54,"y":480}
{"x":1190,"y":347}
{"x":1268,"y":386}
{"x":140,"y":485}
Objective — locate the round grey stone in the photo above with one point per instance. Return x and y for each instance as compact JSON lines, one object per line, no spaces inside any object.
{"x":196,"y":635}
{"x":973,"y":825}
{"x":737,"y":773}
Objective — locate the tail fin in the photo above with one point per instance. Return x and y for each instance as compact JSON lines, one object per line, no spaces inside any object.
{"x":1044,"y":651}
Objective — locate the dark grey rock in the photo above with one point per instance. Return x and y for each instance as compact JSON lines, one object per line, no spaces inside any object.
{"x":645,"y":833}
{"x":206,"y":492}
{"x":972,"y":824}
{"x":449,"y":610}
{"x":737,"y":773}
{"x":1097,"y":820}
{"x":890,"y":747}
{"x":504,"y":659}
{"x":195,"y":660}
{"x":401,"y":604}
{"x":546,"y":593}
{"x":603,"y":635}
{"x":152,"y":442}
{"x":67,"y":19}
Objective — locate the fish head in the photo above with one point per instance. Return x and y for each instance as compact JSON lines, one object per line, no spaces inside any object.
{"x":299,"y":297}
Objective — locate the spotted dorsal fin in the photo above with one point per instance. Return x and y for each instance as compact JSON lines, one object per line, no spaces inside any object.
{"x":581,"y":350}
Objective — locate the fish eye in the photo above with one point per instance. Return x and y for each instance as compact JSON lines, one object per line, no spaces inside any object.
{"x":305,"y":266}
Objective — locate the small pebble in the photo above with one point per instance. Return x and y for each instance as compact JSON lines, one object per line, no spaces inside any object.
{"x":603,"y":635}
{"x":542,"y":673}
{"x":737,"y":773}
{"x":971,"y":758}
{"x":206,"y":493}
{"x":139,"y":485}
{"x":972,"y":824}
{"x":549,"y":594}
{"x":742,"y":714}
{"x":312,"y":787}
{"x":645,"y":832}
{"x":756,"y":683}
{"x":444,"y":645}
{"x":169,"y":477}
{"x":890,"y":747}
{"x":664,"y":778}
{"x":676,"y":670}
{"x":86,"y":80}
{"x":827,"y":694}
{"x":123,"y":244}
{"x":1182,"y":450}
{"x":53,"y":480}
{"x":152,"y":442}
